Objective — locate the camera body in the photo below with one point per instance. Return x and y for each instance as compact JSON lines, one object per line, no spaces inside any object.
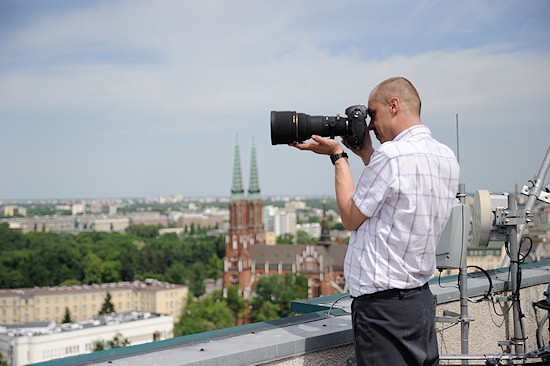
{"x":290,"y":127}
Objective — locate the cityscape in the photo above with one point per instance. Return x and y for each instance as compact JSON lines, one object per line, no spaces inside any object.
{"x":294,"y":244}
{"x":147,"y":218}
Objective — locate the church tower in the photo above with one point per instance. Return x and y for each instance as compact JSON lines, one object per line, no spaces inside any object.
{"x":325,"y":230}
{"x":255,"y":203}
{"x":245,"y":226}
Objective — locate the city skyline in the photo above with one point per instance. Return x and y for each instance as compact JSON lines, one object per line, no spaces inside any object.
{"x":109,"y":99}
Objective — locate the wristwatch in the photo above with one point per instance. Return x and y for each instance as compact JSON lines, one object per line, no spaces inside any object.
{"x":335,"y":157}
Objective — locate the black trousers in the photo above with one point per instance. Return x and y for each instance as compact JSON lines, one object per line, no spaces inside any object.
{"x":395,"y":327}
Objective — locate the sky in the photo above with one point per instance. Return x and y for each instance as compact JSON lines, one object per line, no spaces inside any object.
{"x":105,"y":99}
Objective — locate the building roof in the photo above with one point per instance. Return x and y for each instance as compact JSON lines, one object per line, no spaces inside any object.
{"x":333,"y":255}
{"x":147,"y":285}
{"x":50,"y":327}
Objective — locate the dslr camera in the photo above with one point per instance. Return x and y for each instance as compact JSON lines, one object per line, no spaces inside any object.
{"x":291,"y":127}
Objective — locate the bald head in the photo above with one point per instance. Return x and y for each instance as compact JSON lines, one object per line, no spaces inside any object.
{"x":401,"y":88}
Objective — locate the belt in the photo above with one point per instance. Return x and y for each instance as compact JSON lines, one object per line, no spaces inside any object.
{"x":386,"y":294}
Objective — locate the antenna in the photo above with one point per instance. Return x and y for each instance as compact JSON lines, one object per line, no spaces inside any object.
{"x":457,"y":148}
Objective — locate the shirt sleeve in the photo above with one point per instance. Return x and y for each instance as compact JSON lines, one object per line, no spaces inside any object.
{"x":374,"y":184}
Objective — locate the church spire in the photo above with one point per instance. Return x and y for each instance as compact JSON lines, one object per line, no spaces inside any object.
{"x":325,"y":231}
{"x":237,"y":192}
{"x":253,"y":187}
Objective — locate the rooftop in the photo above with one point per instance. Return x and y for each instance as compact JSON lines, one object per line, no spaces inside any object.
{"x":43,"y":328}
{"x":148,"y":284}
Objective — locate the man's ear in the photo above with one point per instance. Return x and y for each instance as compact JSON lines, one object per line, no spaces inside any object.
{"x":394,"y":105}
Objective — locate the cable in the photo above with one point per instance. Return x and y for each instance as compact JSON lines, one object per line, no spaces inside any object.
{"x":522,"y":260}
{"x":334,"y":303}
{"x":489,"y":290}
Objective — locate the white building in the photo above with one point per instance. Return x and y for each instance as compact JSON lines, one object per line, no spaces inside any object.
{"x":279,"y":221}
{"x":38,"y":342}
{"x":313,"y":229}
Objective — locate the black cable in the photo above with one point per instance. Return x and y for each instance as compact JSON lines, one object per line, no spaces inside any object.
{"x":489,"y":290}
{"x":522,"y":260}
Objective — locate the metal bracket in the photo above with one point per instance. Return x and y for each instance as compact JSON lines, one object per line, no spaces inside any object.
{"x":452,"y":317}
{"x":543,"y":196}
{"x":512,"y":342}
{"x":504,"y":298}
{"x":509,"y":217}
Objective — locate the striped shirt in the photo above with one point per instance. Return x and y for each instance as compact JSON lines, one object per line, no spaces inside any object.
{"x":406,"y":192}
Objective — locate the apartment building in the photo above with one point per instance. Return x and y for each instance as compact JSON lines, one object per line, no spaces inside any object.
{"x":49,"y":303}
{"x":38,"y":342}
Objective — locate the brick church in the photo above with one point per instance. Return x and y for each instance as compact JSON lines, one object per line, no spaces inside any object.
{"x":247,"y":257}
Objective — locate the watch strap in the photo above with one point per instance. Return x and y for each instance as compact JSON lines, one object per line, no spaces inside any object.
{"x":335,"y":157}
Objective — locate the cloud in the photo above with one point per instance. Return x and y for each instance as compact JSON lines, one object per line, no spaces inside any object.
{"x":150,"y":82}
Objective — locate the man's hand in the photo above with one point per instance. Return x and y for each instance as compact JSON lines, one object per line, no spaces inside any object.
{"x":352,"y":218}
{"x":321,"y":145}
{"x":366,"y":151}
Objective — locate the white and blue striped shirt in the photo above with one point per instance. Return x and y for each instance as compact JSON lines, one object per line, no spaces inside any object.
{"x":406,"y":192}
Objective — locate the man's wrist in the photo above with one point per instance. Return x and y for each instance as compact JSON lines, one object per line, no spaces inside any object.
{"x":335,"y":157}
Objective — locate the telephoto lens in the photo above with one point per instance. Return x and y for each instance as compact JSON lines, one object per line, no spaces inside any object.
{"x":289,"y":127}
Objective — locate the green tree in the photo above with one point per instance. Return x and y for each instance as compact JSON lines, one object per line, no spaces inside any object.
{"x":204,"y":315}
{"x":235,"y":302}
{"x":107,"y":307}
{"x":67,"y":318}
{"x":70,"y":282}
{"x":285,"y":239}
{"x":92,"y":266}
{"x":144,"y":231}
{"x":118,"y":341}
{"x":195,"y":278}
{"x":262,"y":311}
{"x":302,"y":237}
{"x":3,"y":362}
{"x":111,"y":271}
{"x":214,"y":267}
{"x":280,"y":291}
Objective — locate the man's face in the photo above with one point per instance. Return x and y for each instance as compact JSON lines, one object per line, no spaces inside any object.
{"x":379,"y":119}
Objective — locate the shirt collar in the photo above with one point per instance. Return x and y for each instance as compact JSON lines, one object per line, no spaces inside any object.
{"x":413,"y":131}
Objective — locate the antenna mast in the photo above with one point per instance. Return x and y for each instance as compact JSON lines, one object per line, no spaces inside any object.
{"x":457,"y":148}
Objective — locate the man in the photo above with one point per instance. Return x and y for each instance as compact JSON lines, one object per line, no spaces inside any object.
{"x":397,"y":213}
